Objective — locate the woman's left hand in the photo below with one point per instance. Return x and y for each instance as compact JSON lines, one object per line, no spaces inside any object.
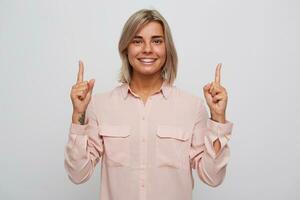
{"x":216,"y":97}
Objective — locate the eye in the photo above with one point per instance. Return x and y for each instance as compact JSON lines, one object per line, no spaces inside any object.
{"x":157,"y":41}
{"x":137,"y":41}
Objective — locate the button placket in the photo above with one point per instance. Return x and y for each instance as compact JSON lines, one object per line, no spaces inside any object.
{"x":143,"y":146}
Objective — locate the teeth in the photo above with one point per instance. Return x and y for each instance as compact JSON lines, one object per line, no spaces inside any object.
{"x":147,"y":60}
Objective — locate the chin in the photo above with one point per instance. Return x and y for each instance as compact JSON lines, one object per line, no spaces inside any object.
{"x":148,"y":70}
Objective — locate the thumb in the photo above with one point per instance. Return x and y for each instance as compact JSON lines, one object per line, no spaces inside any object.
{"x":206,"y":88}
{"x":91,"y":84}
{"x":207,"y":95}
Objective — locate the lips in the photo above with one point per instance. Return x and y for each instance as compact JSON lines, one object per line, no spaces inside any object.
{"x":147,"y":61}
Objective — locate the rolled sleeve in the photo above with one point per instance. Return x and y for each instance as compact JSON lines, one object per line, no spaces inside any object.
{"x":211,"y":167}
{"x":221,"y":131}
{"x":84,"y":148}
{"x":77,"y":129}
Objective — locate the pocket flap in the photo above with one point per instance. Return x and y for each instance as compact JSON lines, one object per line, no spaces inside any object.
{"x":166,"y":131}
{"x":114,"y":130}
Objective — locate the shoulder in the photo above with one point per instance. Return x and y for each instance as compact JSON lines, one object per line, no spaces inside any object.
{"x":185,"y":95}
{"x":108,"y":95}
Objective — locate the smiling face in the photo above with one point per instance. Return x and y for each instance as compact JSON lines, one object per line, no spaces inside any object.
{"x":147,"y":50}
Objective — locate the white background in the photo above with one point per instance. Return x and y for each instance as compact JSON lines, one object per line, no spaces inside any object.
{"x":257,"y":42}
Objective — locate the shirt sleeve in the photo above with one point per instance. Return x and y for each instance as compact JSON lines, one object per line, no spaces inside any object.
{"x":210,"y":167}
{"x":84,"y":147}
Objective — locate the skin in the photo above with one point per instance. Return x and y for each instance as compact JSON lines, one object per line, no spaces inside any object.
{"x":80,"y":95}
{"x":146,"y":78}
{"x":216,"y":99}
{"x":147,"y":43}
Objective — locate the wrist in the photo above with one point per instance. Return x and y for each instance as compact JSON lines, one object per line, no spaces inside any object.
{"x":78,"y":113}
{"x":218,"y":118}
{"x":78,"y":118}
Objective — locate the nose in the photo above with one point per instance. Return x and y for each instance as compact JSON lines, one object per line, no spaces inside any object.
{"x":147,"y":47}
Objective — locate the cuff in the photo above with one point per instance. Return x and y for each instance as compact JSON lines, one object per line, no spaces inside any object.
{"x":77,"y":129}
{"x":221,"y":131}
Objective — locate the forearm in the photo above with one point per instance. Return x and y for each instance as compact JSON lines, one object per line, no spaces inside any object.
{"x":78,"y":118}
{"x":212,"y":171}
{"x":77,"y":161}
{"x":219,"y":119}
{"x":82,"y":152}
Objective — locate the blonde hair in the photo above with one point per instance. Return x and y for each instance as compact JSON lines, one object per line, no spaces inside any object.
{"x":131,"y":27}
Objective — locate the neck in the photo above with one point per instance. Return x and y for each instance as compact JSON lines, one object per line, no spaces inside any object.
{"x":145,"y":85}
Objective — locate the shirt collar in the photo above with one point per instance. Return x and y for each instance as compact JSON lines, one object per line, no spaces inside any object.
{"x":165,"y":89}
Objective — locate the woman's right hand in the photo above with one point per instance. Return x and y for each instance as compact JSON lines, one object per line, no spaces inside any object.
{"x":81,"y":92}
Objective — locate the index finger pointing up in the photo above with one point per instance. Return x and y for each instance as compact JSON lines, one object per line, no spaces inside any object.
{"x":80,"y":72}
{"x":218,"y":73}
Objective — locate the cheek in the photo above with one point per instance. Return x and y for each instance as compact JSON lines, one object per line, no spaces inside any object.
{"x":161,"y":51}
{"x":131,"y":53}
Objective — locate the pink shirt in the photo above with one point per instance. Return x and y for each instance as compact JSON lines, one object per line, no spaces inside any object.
{"x":147,"y":151}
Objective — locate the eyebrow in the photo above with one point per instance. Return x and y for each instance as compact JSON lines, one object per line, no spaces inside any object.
{"x":154,"y":36}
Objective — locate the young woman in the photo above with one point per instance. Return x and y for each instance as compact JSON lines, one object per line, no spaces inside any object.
{"x":148,"y":133}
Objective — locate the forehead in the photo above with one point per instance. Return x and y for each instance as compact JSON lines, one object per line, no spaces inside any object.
{"x":151,"y":28}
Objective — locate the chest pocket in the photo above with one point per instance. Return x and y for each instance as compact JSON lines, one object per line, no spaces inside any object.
{"x":172,"y":146}
{"x":116,"y":144}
